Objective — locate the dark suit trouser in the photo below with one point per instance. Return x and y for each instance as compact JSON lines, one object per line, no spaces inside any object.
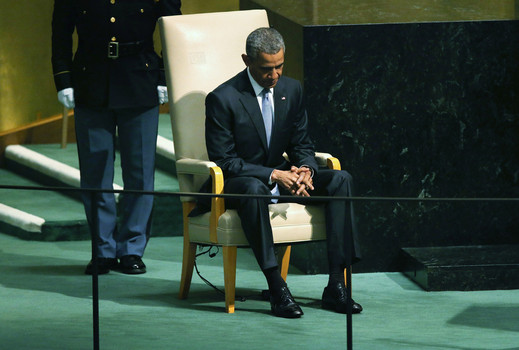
{"x":137,"y":137}
{"x":341,"y":232}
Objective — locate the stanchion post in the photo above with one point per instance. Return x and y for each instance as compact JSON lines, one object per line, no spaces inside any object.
{"x":349,"y":305}
{"x":95,"y":269}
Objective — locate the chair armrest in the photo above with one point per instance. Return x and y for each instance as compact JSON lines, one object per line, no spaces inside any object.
{"x":327,"y":160}
{"x":217,"y":203}
{"x":191,"y":174}
{"x":194,"y":166}
{"x":187,"y":169}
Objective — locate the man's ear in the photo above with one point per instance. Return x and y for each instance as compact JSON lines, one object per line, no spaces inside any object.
{"x":246,"y":59}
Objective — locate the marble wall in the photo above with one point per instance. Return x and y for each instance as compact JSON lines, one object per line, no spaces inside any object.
{"x":421,"y":110}
{"x":418,"y":99}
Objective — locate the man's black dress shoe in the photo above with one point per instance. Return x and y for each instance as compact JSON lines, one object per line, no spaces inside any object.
{"x":283,"y":304}
{"x":104,"y":265}
{"x":132,"y":264}
{"x":334,"y":298}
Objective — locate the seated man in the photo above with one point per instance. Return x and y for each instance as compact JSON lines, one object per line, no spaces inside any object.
{"x":250,"y":121}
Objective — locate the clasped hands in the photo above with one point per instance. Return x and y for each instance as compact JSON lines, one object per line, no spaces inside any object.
{"x":298,"y":181}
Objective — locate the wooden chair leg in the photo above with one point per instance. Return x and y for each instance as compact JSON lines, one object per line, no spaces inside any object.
{"x":188,"y":263}
{"x":229,"y":275}
{"x":188,"y":254}
{"x":284,"y":259}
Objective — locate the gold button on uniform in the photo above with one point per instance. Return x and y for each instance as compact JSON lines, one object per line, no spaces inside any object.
{"x":112,"y":19}
{"x":142,"y":10}
{"x":114,"y":38}
{"x":112,"y":2}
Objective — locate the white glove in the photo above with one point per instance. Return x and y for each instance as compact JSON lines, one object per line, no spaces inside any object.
{"x":66,"y":97}
{"x":163,"y":94}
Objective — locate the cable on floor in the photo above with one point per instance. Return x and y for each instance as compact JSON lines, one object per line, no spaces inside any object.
{"x":212,"y":255}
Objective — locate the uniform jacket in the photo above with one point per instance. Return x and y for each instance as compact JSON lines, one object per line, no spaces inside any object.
{"x":99,"y":81}
{"x":235,"y":132}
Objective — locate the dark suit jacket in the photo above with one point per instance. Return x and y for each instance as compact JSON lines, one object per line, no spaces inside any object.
{"x":99,"y":81}
{"x":235,"y":133}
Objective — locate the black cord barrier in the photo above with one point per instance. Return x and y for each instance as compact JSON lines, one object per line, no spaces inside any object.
{"x":290,"y":198}
{"x":95,"y":263}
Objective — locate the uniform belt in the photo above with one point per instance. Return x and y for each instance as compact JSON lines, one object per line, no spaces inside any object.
{"x":117,"y":49}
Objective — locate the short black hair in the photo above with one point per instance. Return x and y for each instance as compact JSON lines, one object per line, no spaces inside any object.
{"x":266,"y":40}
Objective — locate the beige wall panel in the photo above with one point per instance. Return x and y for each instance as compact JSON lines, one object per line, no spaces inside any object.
{"x":26,"y":87}
{"x":199,"y":6}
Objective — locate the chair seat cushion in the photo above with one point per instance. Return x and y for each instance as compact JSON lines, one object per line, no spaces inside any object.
{"x":291,"y":222}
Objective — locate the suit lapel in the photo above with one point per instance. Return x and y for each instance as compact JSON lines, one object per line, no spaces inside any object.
{"x":280,"y":110}
{"x":250,"y":103}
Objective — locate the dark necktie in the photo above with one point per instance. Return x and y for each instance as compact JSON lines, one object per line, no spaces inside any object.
{"x":266,"y":110}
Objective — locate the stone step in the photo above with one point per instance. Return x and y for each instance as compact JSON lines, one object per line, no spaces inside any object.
{"x":463,"y":268}
{"x":39,"y":215}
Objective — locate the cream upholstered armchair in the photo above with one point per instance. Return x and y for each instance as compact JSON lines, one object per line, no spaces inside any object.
{"x":202,"y":51}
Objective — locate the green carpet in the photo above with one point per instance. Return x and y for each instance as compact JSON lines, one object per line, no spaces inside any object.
{"x":64,"y":216}
{"x":45,"y":303}
{"x":43,"y":204}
